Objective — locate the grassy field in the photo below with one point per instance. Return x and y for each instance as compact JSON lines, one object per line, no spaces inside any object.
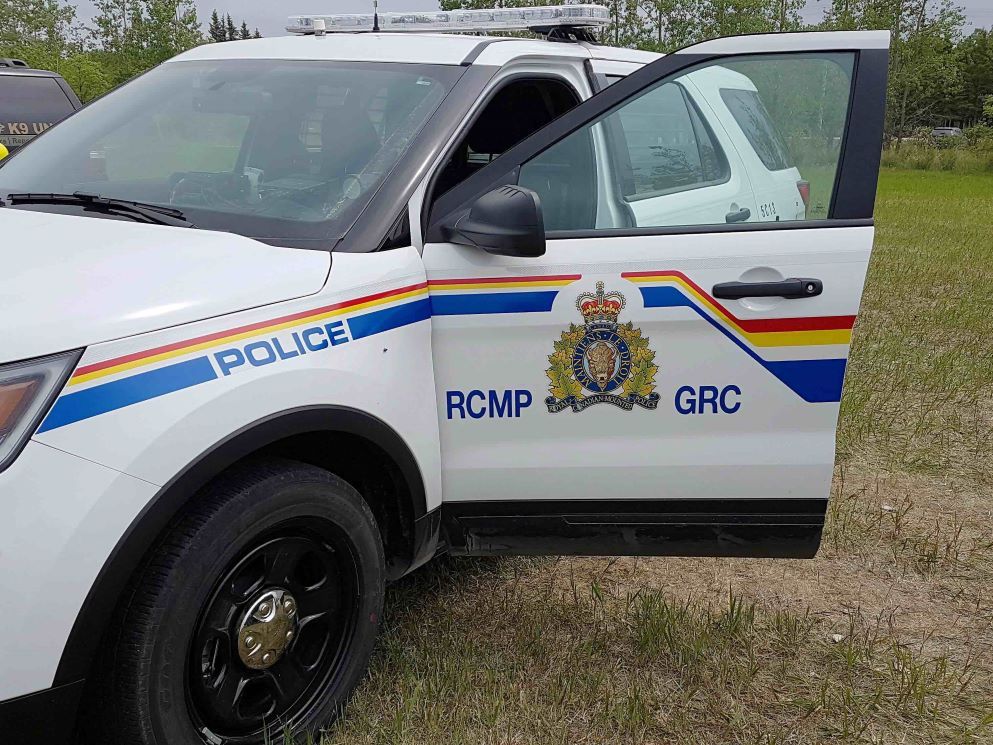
{"x":887,"y":636}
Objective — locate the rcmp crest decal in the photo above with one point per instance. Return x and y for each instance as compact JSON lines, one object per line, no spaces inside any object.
{"x":602,"y":361}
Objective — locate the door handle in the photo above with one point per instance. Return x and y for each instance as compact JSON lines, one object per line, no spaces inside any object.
{"x":740,"y":216}
{"x":793,"y":288}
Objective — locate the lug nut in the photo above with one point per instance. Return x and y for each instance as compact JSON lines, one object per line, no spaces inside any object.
{"x":249,"y":641}
{"x":263,"y":608}
{"x":289,"y":634}
{"x":265,"y":658}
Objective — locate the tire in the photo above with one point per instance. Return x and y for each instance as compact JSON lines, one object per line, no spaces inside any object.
{"x":182,"y":666}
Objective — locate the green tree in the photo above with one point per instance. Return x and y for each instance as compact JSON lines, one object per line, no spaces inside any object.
{"x":45,"y":34}
{"x":243,"y":32}
{"x":924,"y":70}
{"x":215,"y":29}
{"x":230,"y":32}
{"x":256,"y":35}
{"x":733,"y":17}
{"x":41,"y":32}
{"x":139,"y":34}
{"x":670,"y":24}
{"x":974,"y":57}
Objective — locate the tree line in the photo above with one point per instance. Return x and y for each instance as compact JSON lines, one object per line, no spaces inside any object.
{"x":938,"y":74}
{"x":223,"y":29}
{"x":124,"y":38}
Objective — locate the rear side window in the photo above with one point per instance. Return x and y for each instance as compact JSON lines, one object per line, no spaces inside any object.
{"x":750,"y":113}
{"x":28,"y":106}
{"x":670,"y":147}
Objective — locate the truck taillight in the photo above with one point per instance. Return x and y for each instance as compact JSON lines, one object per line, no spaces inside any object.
{"x":804,"y":188}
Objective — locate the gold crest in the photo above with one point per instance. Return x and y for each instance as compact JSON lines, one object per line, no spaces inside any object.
{"x":601,"y":361}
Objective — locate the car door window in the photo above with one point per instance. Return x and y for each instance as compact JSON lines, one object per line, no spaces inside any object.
{"x":783,"y":116}
{"x":669,"y":146}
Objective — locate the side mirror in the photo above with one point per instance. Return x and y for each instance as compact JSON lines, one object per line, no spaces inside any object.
{"x":505,"y":221}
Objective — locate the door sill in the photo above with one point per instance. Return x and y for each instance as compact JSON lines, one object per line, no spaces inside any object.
{"x":756,"y":528}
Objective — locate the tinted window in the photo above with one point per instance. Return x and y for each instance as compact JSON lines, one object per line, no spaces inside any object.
{"x":748,"y":110}
{"x":28,"y":106}
{"x":266,"y":148}
{"x":677,"y":153}
{"x":668,"y":145}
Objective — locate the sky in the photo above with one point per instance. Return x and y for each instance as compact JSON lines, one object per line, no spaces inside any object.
{"x":269,"y":16}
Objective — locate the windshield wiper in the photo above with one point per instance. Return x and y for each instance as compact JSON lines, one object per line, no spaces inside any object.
{"x":152,"y":213}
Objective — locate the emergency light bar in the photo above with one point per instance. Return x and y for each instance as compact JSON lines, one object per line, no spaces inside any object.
{"x":542,"y":18}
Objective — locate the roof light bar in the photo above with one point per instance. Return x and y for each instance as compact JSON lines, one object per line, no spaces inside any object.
{"x":470,"y":21}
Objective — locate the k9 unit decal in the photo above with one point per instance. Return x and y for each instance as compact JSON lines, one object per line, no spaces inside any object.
{"x":602,"y":361}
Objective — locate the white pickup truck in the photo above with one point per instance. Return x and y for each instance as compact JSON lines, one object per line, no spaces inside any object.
{"x":286,"y":318}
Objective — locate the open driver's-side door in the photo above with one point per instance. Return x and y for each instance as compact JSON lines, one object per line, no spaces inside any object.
{"x":665,"y":377}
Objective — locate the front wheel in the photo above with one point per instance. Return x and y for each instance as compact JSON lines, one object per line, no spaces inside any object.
{"x":255,"y":615}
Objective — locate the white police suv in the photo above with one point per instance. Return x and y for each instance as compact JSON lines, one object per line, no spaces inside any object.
{"x":283,"y":319}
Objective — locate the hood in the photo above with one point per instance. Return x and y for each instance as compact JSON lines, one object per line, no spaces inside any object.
{"x":68,"y":281}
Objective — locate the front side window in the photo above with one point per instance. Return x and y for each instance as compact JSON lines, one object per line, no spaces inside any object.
{"x":271,"y":149}
{"x":752,"y":139}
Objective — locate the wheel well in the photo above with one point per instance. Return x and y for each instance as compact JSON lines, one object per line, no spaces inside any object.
{"x":356,"y":446}
{"x":368,"y":468}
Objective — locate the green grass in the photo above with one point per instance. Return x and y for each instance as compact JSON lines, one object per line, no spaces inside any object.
{"x":885,"y":637}
{"x":960,"y":160}
{"x":918,"y":390}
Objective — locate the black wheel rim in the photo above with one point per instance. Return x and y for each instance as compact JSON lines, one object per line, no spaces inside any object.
{"x":314,"y":562}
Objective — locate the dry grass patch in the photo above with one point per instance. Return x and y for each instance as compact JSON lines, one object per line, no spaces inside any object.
{"x":879,"y":639}
{"x":519,"y":651}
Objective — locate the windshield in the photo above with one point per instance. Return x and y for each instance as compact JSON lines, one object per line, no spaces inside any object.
{"x":270,"y":149}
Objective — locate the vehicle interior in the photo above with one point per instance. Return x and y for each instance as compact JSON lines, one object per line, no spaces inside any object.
{"x":518,"y":109}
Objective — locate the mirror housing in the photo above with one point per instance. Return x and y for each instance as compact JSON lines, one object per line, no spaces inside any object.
{"x":506,"y":221}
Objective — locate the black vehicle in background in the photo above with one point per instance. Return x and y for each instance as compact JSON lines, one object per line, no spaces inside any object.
{"x":31,"y":101}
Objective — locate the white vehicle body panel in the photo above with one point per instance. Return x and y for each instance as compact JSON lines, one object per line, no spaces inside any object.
{"x":151,"y":404}
{"x":66,"y":513}
{"x":116,"y":279}
{"x":620,"y":54}
{"x":644,"y":454}
{"x":810,"y":41}
{"x":775,"y":188}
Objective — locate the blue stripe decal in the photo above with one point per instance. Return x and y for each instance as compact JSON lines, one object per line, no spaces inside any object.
{"x":378,"y":321}
{"x":476,"y":303}
{"x":815,"y":381}
{"x":74,"y":407}
{"x":117,"y":394}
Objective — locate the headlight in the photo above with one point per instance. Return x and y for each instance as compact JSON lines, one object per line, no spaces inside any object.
{"x":27,"y":390}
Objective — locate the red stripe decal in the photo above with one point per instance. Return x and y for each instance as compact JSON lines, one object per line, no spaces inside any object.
{"x":241,"y":329}
{"x":494,"y":280}
{"x":751,"y":325}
